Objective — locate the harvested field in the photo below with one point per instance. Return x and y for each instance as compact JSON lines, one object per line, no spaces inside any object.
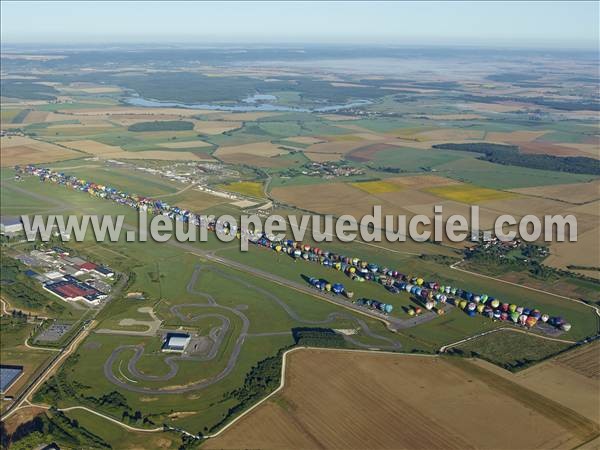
{"x":492,"y":107}
{"x":584,"y":360}
{"x":339,"y":117}
{"x":185,"y":144}
{"x":149,"y":113}
{"x":323,"y":157}
{"x":449,"y":134}
{"x":243,"y":116}
{"x":377,"y":187}
{"x":265,"y":149}
{"x":588,"y":149}
{"x":468,"y":193}
{"x":368,"y":152}
{"x":36,"y":116}
{"x":23,"y":150}
{"x":419,"y":204}
{"x":547,"y":148}
{"x":113,"y":152}
{"x":563,"y":254}
{"x":340,"y":147}
{"x":334,"y":198}
{"x":514,"y":137}
{"x":215,"y":126}
{"x":93,"y":89}
{"x":305,"y":140}
{"x":567,"y":385}
{"x":453,"y":117}
{"x":575,"y":193}
{"x":253,"y":160}
{"x":344,"y":138}
{"x":408,"y":402}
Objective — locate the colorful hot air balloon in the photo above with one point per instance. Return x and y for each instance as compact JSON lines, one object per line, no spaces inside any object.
{"x":522,"y":319}
{"x":531,"y":321}
{"x":512,"y":308}
{"x":514,"y":316}
{"x":545,"y":318}
{"x":495,"y":303}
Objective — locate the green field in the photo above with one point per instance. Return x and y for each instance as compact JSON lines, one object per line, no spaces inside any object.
{"x":511,"y":350}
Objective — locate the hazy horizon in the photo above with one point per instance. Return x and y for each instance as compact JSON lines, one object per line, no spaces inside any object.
{"x":565,"y":25}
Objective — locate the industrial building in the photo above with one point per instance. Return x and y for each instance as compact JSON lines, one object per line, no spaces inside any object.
{"x":10,"y":226}
{"x":8,"y":375}
{"x":176,"y":342}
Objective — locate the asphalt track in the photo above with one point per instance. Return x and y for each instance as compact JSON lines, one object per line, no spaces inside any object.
{"x":218,"y":334}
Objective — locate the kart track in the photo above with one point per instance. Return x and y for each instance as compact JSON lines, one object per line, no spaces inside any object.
{"x":218,"y":338}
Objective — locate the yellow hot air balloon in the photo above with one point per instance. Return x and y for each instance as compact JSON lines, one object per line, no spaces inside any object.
{"x":420,"y":281}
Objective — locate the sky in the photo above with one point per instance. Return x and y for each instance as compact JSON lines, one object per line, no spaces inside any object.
{"x":513,"y":23}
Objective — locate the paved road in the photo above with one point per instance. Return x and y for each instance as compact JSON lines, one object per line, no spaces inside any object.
{"x":171,"y":361}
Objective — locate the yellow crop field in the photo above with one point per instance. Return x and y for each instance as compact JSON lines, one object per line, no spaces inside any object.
{"x":251,"y":188}
{"x":377,"y":187}
{"x":468,"y":193}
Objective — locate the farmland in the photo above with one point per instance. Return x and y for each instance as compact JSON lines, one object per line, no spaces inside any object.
{"x":203,"y":144}
{"x":405,"y":392}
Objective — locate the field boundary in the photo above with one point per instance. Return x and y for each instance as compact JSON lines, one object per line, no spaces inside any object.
{"x":495,"y":330}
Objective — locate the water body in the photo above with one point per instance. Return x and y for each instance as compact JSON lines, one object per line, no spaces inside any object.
{"x":254,"y":103}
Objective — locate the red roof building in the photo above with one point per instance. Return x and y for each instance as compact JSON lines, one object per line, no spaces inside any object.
{"x":88,"y":266}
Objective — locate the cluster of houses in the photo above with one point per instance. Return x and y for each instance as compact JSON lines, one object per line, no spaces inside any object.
{"x":330,"y":170}
{"x":70,"y":278}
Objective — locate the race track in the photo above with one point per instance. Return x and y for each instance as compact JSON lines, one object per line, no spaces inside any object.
{"x":218,"y":334}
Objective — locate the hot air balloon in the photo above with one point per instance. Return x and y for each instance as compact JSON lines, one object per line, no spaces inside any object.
{"x":514,"y":316}
{"x":512,"y":308}
{"x":472,"y":306}
{"x":462,"y":304}
{"x":420,"y":281}
{"x":429,"y":305}
{"x":411,"y":312}
{"x":531,"y":321}
{"x":545,"y":318}
{"x":338,"y":288}
{"x":477,"y":299}
{"x":418,"y":310}
{"x":565,"y":326}
{"x":480,"y":308}
{"x":495,"y":303}
{"x":389,"y":308}
{"x":522,"y":319}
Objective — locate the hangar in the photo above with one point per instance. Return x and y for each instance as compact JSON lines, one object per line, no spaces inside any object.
{"x":176,"y":342}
